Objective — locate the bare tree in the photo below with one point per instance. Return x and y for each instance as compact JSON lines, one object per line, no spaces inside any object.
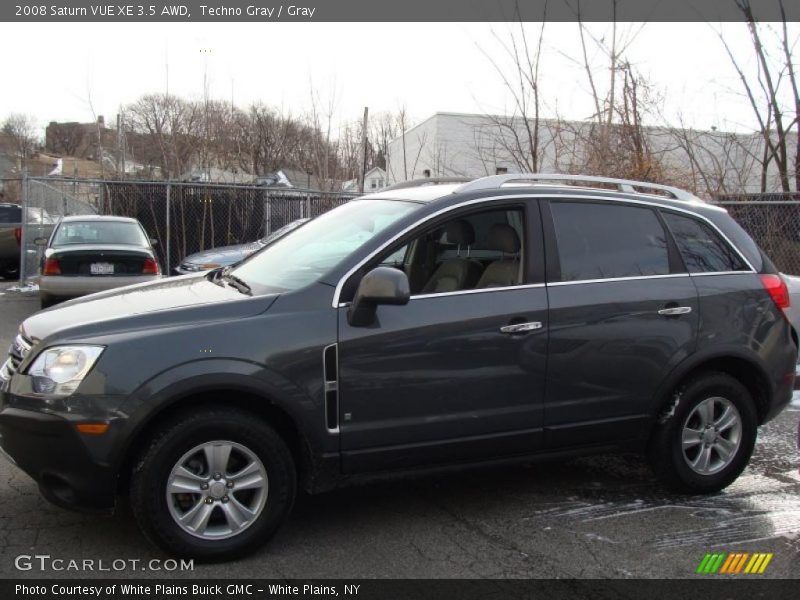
{"x":169,"y":128}
{"x":777,"y":123}
{"x":22,"y":130}
{"x":385,"y":127}
{"x":518,"y":134}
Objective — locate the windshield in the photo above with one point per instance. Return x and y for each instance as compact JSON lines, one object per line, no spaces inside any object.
{"x":100,"y":232}
{"x":308,"y":252}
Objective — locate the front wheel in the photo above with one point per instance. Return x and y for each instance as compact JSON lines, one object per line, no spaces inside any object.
{"x":213,"y":485}
{"x":706,"y":441}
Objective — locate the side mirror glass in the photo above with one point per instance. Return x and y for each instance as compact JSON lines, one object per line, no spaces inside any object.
{"x":382,"y":285}
{"x":40,"y":241}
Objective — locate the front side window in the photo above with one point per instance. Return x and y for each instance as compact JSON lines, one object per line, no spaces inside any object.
{"x":702,"y":249}
{"x":100,"y":232}
{"x":602,"y":241}
{"x":477,"y":250}
{"x":304,"y":255}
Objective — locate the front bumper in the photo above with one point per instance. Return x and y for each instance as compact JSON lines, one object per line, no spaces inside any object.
{"x":72,"y":286}
{"x":49,"y":449}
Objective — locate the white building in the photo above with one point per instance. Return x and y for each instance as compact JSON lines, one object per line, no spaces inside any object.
{"x":374,"y":179}
{"x":472,"y":145}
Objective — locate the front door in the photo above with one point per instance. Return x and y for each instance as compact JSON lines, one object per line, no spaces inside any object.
{"x":459,"y":372}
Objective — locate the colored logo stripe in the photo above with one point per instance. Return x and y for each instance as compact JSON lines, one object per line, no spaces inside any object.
{"x":726,"y":567}
{"x":758,"y":563}
{"x":724,"y":563}
{"x":711,"y":563}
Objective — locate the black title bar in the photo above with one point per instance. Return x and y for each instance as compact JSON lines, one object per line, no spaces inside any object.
{"x":265,"y":11}
{"x":708,"y":588}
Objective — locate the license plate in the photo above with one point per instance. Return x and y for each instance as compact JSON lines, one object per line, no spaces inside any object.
{"x":101,"y":269}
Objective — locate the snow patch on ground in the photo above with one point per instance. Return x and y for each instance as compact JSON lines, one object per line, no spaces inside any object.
{"x":25,"y":288}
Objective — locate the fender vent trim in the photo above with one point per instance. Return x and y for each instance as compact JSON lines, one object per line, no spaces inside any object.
{"x":330,"y":367}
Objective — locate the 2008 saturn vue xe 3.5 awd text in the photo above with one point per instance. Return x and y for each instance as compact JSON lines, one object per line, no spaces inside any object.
{"x":421,"y":327}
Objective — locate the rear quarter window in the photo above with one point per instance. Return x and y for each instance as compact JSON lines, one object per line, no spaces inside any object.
{"x":702,"y":248}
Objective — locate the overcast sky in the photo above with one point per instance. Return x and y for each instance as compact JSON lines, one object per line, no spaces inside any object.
{"x":53,"y":70}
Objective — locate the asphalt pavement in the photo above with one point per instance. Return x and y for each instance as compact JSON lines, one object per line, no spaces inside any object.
{"x":591,"y":517}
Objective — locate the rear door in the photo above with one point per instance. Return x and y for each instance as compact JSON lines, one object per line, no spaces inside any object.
{"x":623,"y":312}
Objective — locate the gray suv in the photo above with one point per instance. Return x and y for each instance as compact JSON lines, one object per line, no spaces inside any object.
{"x":419,"y":328}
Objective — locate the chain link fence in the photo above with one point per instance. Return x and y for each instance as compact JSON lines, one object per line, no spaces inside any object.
{"x":773,"y":221}
{"x":188,"y":217}
{"x":182,"y":217}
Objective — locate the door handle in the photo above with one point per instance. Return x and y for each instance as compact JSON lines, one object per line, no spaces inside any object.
{"x":675,"y":310}
{"x":521,"y":327}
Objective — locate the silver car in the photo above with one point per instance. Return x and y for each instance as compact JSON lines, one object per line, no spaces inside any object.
{"x":226,"y":256}
{"x":88,"y":254}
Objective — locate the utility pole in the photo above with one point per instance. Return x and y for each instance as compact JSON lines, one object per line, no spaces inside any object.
{"x":120,"y":145}
{"x":364,"y":149}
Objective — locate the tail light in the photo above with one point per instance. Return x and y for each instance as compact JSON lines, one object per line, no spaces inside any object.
{"x":776,"y":286}
{"x":18,"y":235}
{"x":51,"y":267}
{"x":150,"y":267}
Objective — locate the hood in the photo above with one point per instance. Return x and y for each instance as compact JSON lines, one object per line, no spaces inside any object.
{"x":177,"y":300}
{"x":224,"y":255}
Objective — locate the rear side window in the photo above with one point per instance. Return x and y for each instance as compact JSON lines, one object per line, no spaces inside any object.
{"x":702,"y":249}
{"x":601,"y":241}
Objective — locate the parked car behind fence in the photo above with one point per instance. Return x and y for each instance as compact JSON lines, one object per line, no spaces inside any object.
{"x":11,"y":234}
{"x":226,"y":256}
{"x":89,"y":253}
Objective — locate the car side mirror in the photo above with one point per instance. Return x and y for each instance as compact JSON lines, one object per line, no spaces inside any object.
{"x":153,"y":242}
{"x":40,"y":241}
{"x":382,"y":285}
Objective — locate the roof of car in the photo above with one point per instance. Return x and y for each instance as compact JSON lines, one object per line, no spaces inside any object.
{"x":97,"y":218}
{"x":422,"y":193}
{"x":664,"y":195}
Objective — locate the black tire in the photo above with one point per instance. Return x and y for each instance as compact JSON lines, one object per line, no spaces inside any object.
{"x":180,"y":435}
{"x":9,"y":270}
{"x":665,"y":449}
{"x":46,"y":300}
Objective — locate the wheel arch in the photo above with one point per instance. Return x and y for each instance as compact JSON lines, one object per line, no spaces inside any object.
{"x":243,"y":397}
{"x":745,"y":368}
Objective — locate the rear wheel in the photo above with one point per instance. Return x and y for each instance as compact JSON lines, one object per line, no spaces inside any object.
{"x":707,"y":441}
{"x":213,"y":485}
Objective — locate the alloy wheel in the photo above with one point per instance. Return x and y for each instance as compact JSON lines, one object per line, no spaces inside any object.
{"x":711,"y":435}
{"x":217,"y":490}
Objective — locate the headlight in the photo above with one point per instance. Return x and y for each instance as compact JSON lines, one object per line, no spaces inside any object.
{"x":58,"y":371}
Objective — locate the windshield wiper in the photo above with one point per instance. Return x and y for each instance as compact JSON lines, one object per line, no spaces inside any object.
{"x":215,"y":276}
{"x":237,"y":283}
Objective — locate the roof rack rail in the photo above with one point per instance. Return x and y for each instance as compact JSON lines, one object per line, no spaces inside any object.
{"x":623,"y":185}
{"x":426,"y":181}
